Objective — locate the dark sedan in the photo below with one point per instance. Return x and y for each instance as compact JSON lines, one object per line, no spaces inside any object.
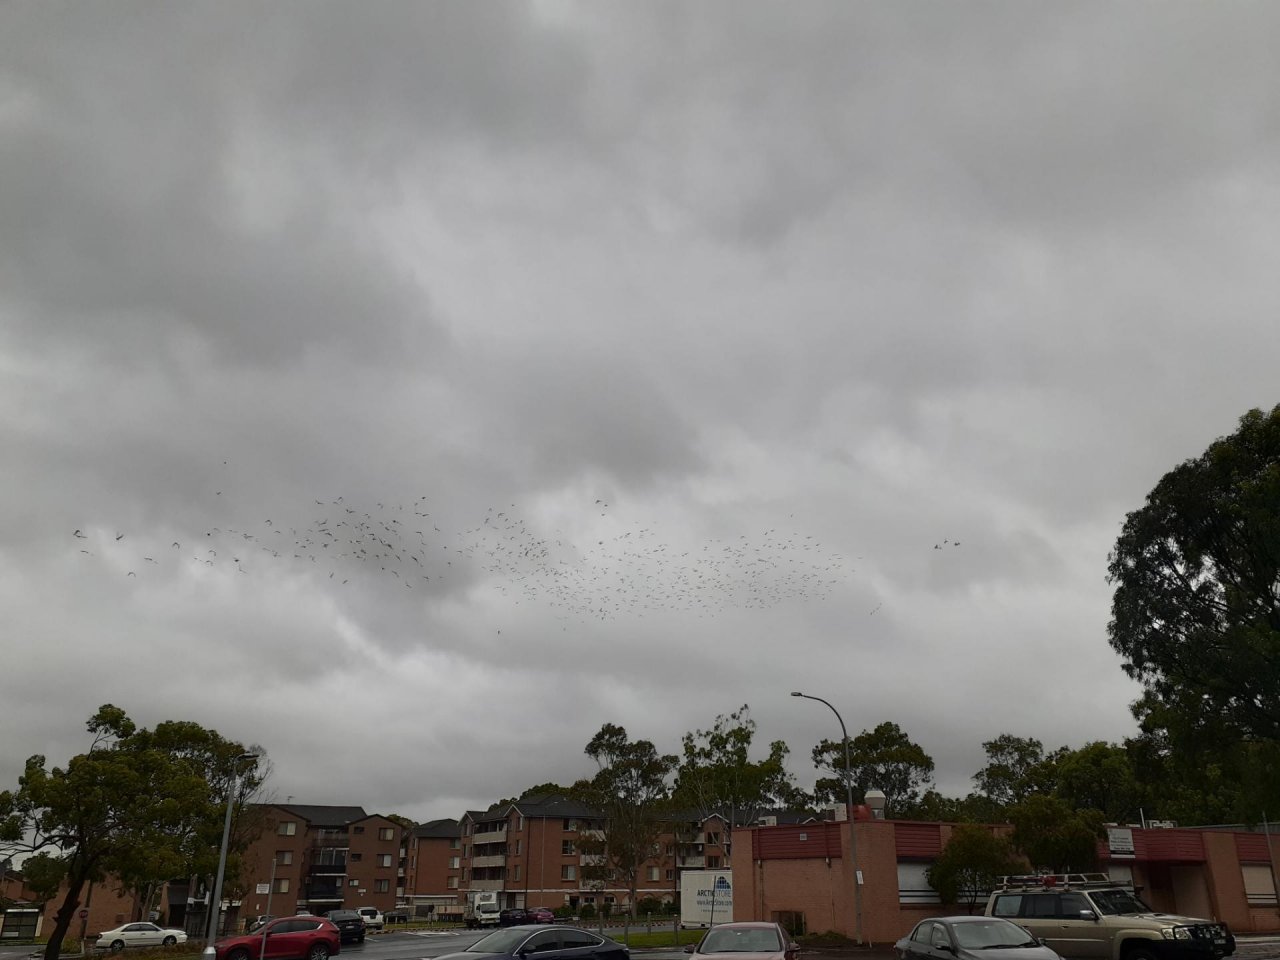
{"x":514,"y":917}
{"x":966,"y":938}
{"x":349,"y":923}
{"x":555,"y":942}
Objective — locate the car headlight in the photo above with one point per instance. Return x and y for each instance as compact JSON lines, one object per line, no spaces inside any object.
{"x":1176,"y":933}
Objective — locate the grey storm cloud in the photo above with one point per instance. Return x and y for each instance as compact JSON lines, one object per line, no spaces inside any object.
{"x":682,"y":333}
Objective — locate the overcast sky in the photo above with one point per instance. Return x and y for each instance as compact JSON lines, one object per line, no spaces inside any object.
{"x":430,"y":384}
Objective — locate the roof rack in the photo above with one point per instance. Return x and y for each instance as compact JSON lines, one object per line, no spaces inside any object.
{"x":1076,"y":881}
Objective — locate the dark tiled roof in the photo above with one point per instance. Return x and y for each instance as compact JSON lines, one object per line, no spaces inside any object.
{"x":554,"y":805}
{"x":321,"y":816}
{"x":438,"y":828}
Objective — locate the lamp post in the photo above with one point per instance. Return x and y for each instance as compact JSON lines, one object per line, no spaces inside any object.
{"x":216,"y":905}
{"x":853,"y":834}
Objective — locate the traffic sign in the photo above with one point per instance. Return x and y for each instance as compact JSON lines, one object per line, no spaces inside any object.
{"x":84,"y":914}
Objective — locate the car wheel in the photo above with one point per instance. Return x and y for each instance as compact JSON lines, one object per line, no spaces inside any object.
{"x":238,"y":954}
{"x":361,"y":940}
{"x":117,"y":946}
{"x":170,"y":941}
{"x":318,"y":951}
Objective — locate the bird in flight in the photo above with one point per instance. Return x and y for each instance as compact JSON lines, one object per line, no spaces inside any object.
{"x":78,"y":535}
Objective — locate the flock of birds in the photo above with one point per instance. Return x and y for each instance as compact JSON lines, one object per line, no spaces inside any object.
{"x":630,"y":570}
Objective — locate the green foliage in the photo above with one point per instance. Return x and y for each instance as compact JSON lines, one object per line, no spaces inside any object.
{"x":1017,"y":767}
{"x":884,"y":758}
{"x":717,"y":774}
{"x":1196,"y":610}
{"x":1100,"y":776}
{"x":587,"y":911}
{"x":630,"y":791}
{"x":970,"y":865}
{"x":141,"y":805}
{"x":650,"y":905}
{"x":932,"y":805}
{"x":1054,"y":836}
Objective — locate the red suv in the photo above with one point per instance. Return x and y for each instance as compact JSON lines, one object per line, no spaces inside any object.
{"x":289,"y":938}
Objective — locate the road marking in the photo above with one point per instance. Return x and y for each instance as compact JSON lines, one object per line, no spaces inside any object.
{"x":433,"y":933}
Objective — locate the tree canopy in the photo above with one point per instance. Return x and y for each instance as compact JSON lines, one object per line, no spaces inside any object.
{"x":630,"y":789}
{"x":717,"y":774}
{"x":140,"y":805}
{"x":971,"y":864}
{"x":1196,"y":609}
{"x":884,"y":758}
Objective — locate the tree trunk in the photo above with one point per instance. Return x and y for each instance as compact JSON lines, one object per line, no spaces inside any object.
{"x":62,"y":919}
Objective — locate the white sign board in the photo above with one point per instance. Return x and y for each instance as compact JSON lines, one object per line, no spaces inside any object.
{"x":263,"y":888}
{"x":1120,"y":842}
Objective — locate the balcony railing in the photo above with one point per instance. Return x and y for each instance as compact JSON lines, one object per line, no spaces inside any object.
{"x":496,"y":861}
{"x":486,"y":885}
{"x":490,"y":836}
{"x":328,"y":869}
{"x":691,"y":861}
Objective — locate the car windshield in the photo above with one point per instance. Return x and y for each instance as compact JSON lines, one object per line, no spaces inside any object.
{"x":500,"y":941}
{"x":991,"y":935}
{"x":1117,"y":902}
{"x":741,"y":940}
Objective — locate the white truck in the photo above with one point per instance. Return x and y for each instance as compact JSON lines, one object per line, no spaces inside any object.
{"x":706,"y":898}
{"x":482,"y":909}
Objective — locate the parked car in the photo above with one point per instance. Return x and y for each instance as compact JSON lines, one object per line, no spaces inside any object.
{"x":514,"y":917}
{"x":747,"y":940}
{"x":396,"y":916}
{"x":557,"y":942}
{"x":139,"y":935}
{"x":1100,"y":919}
{"x":541,"y":915}
{"x":349,"y":923}
{"x":289,"y":938}
{"x":255,"y":923}
{"x":966,"y":938}
{"x":372,"y":917}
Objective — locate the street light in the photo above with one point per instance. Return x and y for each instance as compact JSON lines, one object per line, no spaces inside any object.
{"x":853,"y":834}
{"x":215,"y":907}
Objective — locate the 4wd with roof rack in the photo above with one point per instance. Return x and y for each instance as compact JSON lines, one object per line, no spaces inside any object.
{"x":1091,"y":917}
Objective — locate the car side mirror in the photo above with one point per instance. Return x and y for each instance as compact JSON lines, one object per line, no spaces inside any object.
{"x":1088,"y":915}
{"x":689,"y":948}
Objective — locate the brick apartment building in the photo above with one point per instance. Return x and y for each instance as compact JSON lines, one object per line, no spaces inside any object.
{"x":325,"y":858}
{"x":433,"y":879}
{"x":800,"y":873}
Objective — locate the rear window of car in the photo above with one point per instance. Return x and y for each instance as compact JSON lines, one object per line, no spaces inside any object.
{"x":1007,"y":906}
{"x":578,"y":938}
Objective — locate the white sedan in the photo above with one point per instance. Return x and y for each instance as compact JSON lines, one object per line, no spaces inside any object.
{"x":139,"y":935}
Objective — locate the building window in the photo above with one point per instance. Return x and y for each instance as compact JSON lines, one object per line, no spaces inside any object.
{"x":671,"y":848}
{"x":713,"y":863}
{"x":284,"y":857}
{"x":455,"y":863}
{"x":454,"y":843}
{"x":568,"y":872}
{"x":452,"y":883}
{"x":516,"y":874}
{"x":382,"y":886}
{"x":566,"y":848}
{"x":353,"y":882}
{"x":570,"y":823}
{"x":282,"y":885}
{"x":519,"y":821}
{"x":670,"y":874}
{"x":384,"y":859}
{"x":355,"y":857}
{"x":517,"y":848}
{"x":357,"y":829}
{"x":713,"y":838}
{"x":1259,"y":885}
{"x":653,"y":873}
{"x":287,"y":828}
{"x":913,"y":886}
{"x":386,"y":833}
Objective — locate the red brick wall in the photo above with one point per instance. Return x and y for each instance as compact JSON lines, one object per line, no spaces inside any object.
{"x":107,"y":907}
{"x":376,"y":841}
{"x":430,"y":870}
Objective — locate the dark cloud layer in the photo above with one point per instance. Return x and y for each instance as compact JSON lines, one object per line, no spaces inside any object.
{"x":731,"y":311}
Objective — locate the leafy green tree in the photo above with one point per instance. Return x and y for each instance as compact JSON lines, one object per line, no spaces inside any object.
{"x":932,"y":805}
{"x":971,"y":864}
{"x":717,"y":774}
{"x":630,"y":789}
{"x":1016,"y":768}
{"x":1055,"y":837}
{"x":1100,"y":776}
{"x":138,"y":805}
{"x":884,"y":758}
{"x":1196,"y":609}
